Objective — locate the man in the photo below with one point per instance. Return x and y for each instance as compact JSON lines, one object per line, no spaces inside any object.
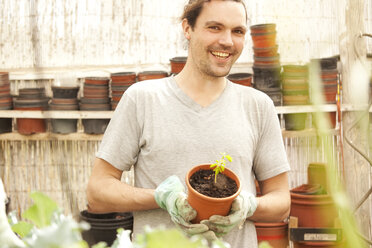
{"x":164,"y":127}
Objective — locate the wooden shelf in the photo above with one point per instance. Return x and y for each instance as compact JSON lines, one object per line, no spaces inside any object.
{"x":76,"y":114}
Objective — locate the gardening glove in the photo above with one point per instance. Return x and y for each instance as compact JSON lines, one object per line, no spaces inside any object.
{"x":242,"y":207}
{"x":170,"y":195}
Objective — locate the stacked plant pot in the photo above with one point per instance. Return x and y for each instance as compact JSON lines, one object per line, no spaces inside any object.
{"x":242,"y":78}
{"x":295,"y":88}
{"x":6,"y":102}
{"x":330,"y":84}
{"x":266,"y":66}
{"x":95,"y":98}
{"x":177,"y":64}
{"x":120,"y":82}
{"x":314,"y":208}
{"x":31,"y":99}
{"x":148,"y":75}
{"x":64,"y":98}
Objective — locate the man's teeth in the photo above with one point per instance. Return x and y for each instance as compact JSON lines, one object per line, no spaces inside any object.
{"x":220,"y":54}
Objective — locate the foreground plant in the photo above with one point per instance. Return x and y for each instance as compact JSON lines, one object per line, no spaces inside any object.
{"x":220,"y":164}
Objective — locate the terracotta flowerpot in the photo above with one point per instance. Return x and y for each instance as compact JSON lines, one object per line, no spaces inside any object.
{"x":148,"y":75}
{"x":276,"y":234}
{"x":99,"y":81}
{"x":313,"y":210}
{"x":241,"y":78}
{"x":30,"y":125}
{"x":123,"y":78}
{"x":177,"y":64}
{"x":309,"y":189}
{"x":207,"y":206}
{"x":273,"y":60}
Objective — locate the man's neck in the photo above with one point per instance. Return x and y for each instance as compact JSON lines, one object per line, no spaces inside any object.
{"x":203,"y":89}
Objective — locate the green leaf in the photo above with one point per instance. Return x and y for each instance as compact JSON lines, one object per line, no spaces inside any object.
{"x":41,"y":212}
{"x":228,"y":157}
{"x":22,"y":228}
{"x":100,"y":245}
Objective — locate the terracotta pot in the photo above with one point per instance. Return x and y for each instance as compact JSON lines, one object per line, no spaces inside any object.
{"x":207,"y":206}
{"x":124,"y":78}
{"x":263,"y":28}
{"x":265,"y":51}
{"x":276,"y":234}
{"x":99,"y":81}
{"x":241,"y":78}
{"x":264,"y":39}
{"x":329,"y":74}
{"x":313,"y":210}
{"x":30,"y":125}
{"x":177,"y":64}
{"x":147,"y":75}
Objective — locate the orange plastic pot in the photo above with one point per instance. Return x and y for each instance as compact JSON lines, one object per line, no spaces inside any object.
{"x":313,"y":210}
{"x":264,"y":39}
{"x":30,"y":125}
{"x":263,"y":28}
{"x":123,"y":77}
{"x":148,"y":75}
{"x":207,"y":206}
{"x":276,"y":234}
{"x":265,"y":51}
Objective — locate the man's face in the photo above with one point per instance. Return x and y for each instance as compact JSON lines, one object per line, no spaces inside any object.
{"x":217,"y":39}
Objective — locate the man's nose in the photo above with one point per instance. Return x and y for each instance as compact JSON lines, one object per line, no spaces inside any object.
{"x":226,"y":39}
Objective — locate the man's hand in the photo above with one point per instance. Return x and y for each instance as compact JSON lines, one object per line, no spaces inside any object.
{"x":242,"y":208}
{"x":170,"y":195}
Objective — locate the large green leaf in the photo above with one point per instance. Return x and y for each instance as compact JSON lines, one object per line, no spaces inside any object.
{"x":41,"y":211}
{"x":22,"y":228}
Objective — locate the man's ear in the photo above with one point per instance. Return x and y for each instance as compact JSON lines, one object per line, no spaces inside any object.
{"x":186,"y":28}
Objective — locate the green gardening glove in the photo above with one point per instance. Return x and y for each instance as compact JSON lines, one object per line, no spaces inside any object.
{"x":170,"y":195}
{"x":242,"y":207}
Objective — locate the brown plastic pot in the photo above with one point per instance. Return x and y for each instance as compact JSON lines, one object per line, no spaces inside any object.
{"x":30,"y":125}
{"x":147,"y":75}
{"x":207,"y":206}
{"x":123,"y":78}
{"x":276,"y":234}
{"x":177,"y":64}
{"x":241,"y":78}
{"x":313,"y":210}
{"x":265,"y":51}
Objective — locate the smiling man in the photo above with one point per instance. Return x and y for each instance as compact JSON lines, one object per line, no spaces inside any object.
{"x":164,"y":127}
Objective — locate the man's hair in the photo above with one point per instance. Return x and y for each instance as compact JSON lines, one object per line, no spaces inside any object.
{"x":192,"y":10}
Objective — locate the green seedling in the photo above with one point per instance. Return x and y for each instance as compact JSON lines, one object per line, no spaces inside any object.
{"x":219,"y":166}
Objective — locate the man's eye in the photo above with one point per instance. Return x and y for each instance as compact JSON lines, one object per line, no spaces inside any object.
{"x":238,"y":31}
{"x":214,"y":27}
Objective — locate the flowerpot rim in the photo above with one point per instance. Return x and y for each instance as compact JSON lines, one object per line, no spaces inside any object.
{"x":178,"y":59}
{"x":239,"y":75}
{"x":212,"y":199}
{"x":125,"y":73}
{"x":270,"y":224}
{"x":264,"y":33}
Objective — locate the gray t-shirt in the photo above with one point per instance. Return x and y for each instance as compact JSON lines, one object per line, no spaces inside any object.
{"x":161,"y":131}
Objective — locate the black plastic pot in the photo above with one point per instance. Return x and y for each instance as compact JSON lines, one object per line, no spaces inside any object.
{"x":103,"y":227}
{"x":266,"y":77}
{"x":65,"y":92}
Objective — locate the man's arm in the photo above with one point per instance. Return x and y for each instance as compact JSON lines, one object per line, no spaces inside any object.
{"x":274,"y":204}
{"x":106,"y":193}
